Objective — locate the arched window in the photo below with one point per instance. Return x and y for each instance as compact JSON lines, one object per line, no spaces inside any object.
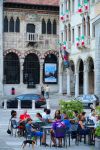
{"x":50,"y":69}
{"x":84,"y":26}
{"x":30,"y":28}
{"x":31,"y":71}
{"x":11,"y":25}
{"x":43,"y":27}
{"x":88,"y":26}
{"x":17,"y":25}
{"x":69,"y":32}
{"x":65,"y":28}
{"x":5,"y":24}
{"x":54,"y":27}
{"x":49,"y":27}
{"x":11,"y":69}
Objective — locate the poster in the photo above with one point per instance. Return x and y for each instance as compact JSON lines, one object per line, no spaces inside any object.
{"x":50,"y":73}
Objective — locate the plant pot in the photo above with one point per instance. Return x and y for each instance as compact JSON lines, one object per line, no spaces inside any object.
{"x":97,"y":143}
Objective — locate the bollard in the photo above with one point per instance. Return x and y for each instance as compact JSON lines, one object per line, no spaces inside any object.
{"x":19,"y":104}
{"x":33,"y":104}
{"x":48,"y":103}
{"x":5,"y":104}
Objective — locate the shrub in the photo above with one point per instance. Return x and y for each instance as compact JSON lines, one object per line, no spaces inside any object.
{"x":70,"y":106}
{"x":97,"y":132}
{"x":98,"y":110}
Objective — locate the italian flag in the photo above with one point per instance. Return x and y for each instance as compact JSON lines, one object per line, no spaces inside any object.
{"x":77,"y":42}
{"x":79,"y":8}
{"x":67,"y":14}
{"x":86,"y":5}
{"x":82,"y":42}
{"x":64,"y":45}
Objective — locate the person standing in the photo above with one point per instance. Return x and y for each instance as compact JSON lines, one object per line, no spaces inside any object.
{"x":42,"y":90}
{"x":47,"y":90}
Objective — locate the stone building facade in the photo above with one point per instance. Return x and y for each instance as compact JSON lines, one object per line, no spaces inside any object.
{"x":28,"y":45}
{"x":78,"y":35}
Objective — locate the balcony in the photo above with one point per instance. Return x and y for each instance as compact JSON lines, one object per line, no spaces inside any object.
{"x":21,"y":40}
{"x":83,"y":43}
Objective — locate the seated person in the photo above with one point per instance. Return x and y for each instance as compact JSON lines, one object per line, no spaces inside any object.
{"x":47,"y":118}
{"x":39,"y":118}
{"x":66,"y":121}
{"x":57,"y":112}
{"x":24,"y":116}
{"x":58,"y":124}
{"x":75,"y":113}
{"x":33,"y":132}
{"x":14,"y":121}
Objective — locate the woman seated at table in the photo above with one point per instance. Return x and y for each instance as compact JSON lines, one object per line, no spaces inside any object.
{"x":47,"y":118}
{"x":39,"y":118}
{"x":33,"y":132}
{"x":57,"y":112}
{"x":58,"y":124}
{"x":81,"y":128}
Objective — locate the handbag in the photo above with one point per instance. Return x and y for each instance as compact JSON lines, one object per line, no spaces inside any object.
{"x":9,"y":131}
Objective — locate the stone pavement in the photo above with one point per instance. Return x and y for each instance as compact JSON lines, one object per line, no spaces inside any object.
{"x":8,"y":142}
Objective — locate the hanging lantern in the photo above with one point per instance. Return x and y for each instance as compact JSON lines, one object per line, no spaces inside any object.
{"x":79,"y":8}
{"x":77,"y":42}
{"x":83,"y":43}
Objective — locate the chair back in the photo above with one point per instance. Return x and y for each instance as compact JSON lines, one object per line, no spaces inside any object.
{"x":14,"y":124}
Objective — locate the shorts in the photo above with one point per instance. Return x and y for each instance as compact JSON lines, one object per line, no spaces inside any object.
{"x":37,"y":133}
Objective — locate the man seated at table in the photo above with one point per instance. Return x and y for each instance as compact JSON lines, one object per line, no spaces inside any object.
{"x":34,"y":133}
{"x":24,"y":116}
{"x":47,"y":118}
{"x":58,"y":131}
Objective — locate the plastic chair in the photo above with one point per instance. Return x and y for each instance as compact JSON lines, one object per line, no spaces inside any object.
{"x":14,"y":127}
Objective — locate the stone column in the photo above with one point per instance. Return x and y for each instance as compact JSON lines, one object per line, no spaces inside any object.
{"x":76,"y":84}
{"x":86,"y":79}
{"x":97,"y":57}
{"x":1,"y":47}
{"x":41,"y":71}
{"x":68,"y":82}
{"x":60,"y":78}
{"x":21,"y":70}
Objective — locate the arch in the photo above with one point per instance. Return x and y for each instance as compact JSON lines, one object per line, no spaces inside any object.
{"x":5,"y":24}
{"x":30,"y":28}
{"x":51,"y":52}
{"x":43,"y":26}
{"x":18,"y":53}
{"x":17,"y":25}
{"x":11,"y":68}
{"x":54,"y":27}
{"x":49,"y":28}
{"x":11,"y":25}
{"x":31,"y":71}
{"x":50,"y":69}
{"x":32,"y":51}
{"x":91,"y":74}
{"x":81,"y":75}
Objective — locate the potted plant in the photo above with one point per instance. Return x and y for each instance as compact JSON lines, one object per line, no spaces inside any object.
{"x":97,"y":131}
{"x":97,"y":137}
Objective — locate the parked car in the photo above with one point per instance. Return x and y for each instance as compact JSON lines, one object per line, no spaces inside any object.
{"x":26,"y":101}
{"x":88,"y":100}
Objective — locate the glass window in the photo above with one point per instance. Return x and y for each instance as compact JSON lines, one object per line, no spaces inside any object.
{"x":43,"y":27}
{"x":30,"y":28}
{"x":17,"y":25}
{"x":31,"y":72}
{"x":49,"y":28}
{"x":11,"y":25}
{"x":73,"y":36}
{"x":5,"y":24}
{"x":54,"y":27}
{"x":11,"y":69}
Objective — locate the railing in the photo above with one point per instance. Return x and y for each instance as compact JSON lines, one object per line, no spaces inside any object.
{"x":20,"y":40}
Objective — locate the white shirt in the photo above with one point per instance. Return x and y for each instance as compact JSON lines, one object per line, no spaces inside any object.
{"x":47,"y":89}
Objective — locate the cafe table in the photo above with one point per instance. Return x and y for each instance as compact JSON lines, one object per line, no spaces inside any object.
{"x":91,"y":135}
{"x":45,"y":129}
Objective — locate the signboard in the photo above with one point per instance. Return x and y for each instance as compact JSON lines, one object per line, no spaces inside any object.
{"x":50,"y":73}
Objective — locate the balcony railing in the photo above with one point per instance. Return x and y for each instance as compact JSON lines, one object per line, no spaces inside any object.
{"x":19,"y":40}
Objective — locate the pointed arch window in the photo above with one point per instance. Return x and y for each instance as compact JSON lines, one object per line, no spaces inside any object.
{"x":88,"y":26}
{"x":49,"y":28}
{"x":43,"y":26}
{"x":69,"y":32}
{"x":54,"y":27}
{"x":11,"y":25}
{"x":84,"y":26}
{"x":17,"y":25}
{"x":5,"y":24}
{"x":11,"y":69}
